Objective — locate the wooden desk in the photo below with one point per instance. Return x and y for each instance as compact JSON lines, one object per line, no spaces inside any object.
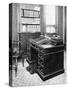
{"x":48,"y":62}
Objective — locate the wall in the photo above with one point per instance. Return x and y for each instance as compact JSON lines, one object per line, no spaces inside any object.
{"x":64,"y":23}
{"x":60,"y":21}
{"x":42,"y":19}
{"x":14,"y":22}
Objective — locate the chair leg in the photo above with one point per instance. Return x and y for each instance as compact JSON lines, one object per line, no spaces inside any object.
{"x":15,"y":71}
{"x":23,"y":62}
{"x":16,"y":67}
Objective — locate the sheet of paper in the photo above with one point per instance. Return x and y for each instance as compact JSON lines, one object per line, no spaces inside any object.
{"x":46,"y":46}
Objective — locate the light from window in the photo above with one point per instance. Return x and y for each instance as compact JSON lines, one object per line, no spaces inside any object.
{"x":50,"y":19}
{"x":50,"y":15}
{"x":50,"y":29}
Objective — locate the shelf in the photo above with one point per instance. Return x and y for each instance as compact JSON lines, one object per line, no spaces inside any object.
{"x":30,"y":13}
{"x":31,"y":10}
{"x":31,"y":20}
{"x":29,"y":17}
{"x":29,"y":24}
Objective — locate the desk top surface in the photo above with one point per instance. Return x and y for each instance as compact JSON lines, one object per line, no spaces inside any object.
{"x":46,"y":42}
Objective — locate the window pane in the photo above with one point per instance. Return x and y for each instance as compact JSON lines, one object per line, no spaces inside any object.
{"x":50,"y":29}
{"x":50,"y":15}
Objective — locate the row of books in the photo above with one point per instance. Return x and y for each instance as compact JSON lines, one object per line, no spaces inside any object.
{"x":30,"y":28}
{"x":27,"y":13}
{"x":30,"y":20}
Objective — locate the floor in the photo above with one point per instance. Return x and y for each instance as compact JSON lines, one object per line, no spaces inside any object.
{"x":24,"y":78}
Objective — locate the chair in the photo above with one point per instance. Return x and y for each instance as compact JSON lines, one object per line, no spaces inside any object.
{"x":15,"y":56}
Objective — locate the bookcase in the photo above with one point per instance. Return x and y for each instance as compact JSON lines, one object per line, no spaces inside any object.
{"x":29,"y":27}
{"x":30,"y":20}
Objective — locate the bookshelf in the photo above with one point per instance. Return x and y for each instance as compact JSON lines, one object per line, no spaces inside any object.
{"x":29,"y":26}
{"x":28,"y":13}
{"x":30,"y":19}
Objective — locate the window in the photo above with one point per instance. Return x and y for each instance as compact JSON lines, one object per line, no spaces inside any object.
{"x":50,"y":19}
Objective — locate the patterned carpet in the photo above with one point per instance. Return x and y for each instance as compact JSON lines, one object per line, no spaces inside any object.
{"x":24,"y":78}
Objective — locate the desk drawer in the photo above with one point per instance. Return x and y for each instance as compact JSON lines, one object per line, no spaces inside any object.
{"x":41,"y":63}
{"x":41,"y":55}
{"x":42,"y":70}
{"x":53,"y":49}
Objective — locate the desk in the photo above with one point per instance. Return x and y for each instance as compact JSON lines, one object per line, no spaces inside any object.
{"x":48,"y":61}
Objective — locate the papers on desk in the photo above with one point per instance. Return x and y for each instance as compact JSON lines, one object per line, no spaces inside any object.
{"x":40,"y":41}
{"x":46,"y":46}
